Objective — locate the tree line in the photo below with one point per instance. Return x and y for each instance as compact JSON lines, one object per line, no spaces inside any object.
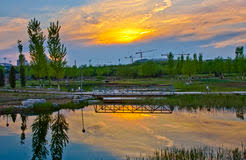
{"x":182,"y":67}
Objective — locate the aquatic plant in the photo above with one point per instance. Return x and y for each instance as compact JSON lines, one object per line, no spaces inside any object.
{"x":196,"y":153}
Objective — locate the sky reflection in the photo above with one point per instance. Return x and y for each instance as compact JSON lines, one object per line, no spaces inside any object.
{"x":114,"y":135}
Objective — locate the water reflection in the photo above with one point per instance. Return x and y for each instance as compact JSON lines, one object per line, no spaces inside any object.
{"x":59,"y":140}
{"x":70,"y":133}
{"x":7,"y":121}
{"x":59,"y":136}
{"x":40,"y":128}
{"x":23,"y":128}
{"x":121,"y":108}
{"x":240,"y":114}
{"x":82,"y":119}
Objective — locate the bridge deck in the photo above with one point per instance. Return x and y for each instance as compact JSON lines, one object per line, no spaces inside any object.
{"x":105,"y":108}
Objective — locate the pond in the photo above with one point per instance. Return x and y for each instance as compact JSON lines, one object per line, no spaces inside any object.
{"x":85,"y":134}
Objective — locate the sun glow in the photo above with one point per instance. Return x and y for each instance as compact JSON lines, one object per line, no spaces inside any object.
{"x":123,"y":35}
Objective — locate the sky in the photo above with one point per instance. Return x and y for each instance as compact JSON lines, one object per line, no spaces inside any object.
{"x":108,"y":30}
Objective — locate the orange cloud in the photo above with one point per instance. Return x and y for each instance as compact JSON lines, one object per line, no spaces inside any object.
{"x":112,"y":22}
{"x":109,"y":22}
{"x":12,"y":29}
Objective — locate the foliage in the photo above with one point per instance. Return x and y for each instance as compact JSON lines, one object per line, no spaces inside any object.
{"x":195,"y":153}
{"x":149,"y":69}
{"x":2,"y":77}
{"x":57,"y":50}
{"x":22,"y":76}
{"x":59,"y":138}
{"x":36,"y":49}
{"x":40,"y":128}
{"x":170,"y":64}
{"x":12,"y":77}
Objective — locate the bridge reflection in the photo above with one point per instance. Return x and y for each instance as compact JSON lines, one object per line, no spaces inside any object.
{"x":119,"y":108}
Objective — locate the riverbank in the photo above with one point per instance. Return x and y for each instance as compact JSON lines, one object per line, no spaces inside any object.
{"x":36,"y":109}
{"x":196,"y":101}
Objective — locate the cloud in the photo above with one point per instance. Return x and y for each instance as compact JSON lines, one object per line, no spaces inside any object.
{"x":234,"y":41}
{"x":110,"y":22}
{"x":12,"y":29}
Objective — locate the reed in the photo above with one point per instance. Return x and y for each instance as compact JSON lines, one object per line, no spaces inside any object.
{"x":200,"y":153}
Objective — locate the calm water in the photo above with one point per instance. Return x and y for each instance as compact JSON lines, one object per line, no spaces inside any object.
{"x":113,"y":136}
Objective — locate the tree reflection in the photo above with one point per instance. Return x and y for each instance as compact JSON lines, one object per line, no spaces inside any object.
{"x":7,"y":121}
{"x":40,"y":128}
{"x":60,"y":139}
{"x":13,"y":116}
{"x":240,"y":114}
{"x":23,"y":128}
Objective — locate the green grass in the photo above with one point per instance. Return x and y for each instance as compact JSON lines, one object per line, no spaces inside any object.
{"x":199,"y":85}
{"x":195,"y":101}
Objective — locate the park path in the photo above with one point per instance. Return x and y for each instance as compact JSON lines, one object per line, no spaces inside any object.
{"x":122,"y":94}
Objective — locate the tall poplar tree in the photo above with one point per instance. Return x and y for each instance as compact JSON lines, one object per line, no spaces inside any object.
{"x":57,"y":51}
{"x":170,"y":63}
{"x":2,"y":77}
{"x":12,"y":77}
{"x":22,"y":64}
{"x":37,"y":49}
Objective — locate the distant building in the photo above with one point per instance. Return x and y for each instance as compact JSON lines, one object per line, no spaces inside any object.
{"x":7,"y":66}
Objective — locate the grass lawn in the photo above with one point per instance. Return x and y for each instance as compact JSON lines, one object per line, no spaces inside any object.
{"x":196,"y":85}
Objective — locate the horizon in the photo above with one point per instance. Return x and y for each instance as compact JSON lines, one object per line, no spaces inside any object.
{"x":107,"y":30}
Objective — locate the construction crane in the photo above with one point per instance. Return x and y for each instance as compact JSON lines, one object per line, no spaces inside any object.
{"x":130,"y":57}
{"x":141,"y":52}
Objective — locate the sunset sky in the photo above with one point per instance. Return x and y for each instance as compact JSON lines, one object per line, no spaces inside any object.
{"x":106,"y":30}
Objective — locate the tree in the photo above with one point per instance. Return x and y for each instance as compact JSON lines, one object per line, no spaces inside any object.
{"x":179,"y":66}
{"x":149,"y":69}
{"x":22,"y":76}
{"x":36,"y":49}
{"x":12,"y":77}
{"x":22,"y":64}
{"x":219,"y":67}
{"x":21,"y":56}
{"x":239,"y":61}
{"x":188,"y":68}
{"x":239,"y":51}
{"x":195,"y":63}
{"x":200,"y":63}
{"x":2,"y":77}
{"x":57,"y":51}
{"x":170,"y":64}
{"x":229,"y":65}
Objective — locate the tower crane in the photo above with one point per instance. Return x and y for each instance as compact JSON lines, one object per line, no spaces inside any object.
{"x":141,"y":52}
